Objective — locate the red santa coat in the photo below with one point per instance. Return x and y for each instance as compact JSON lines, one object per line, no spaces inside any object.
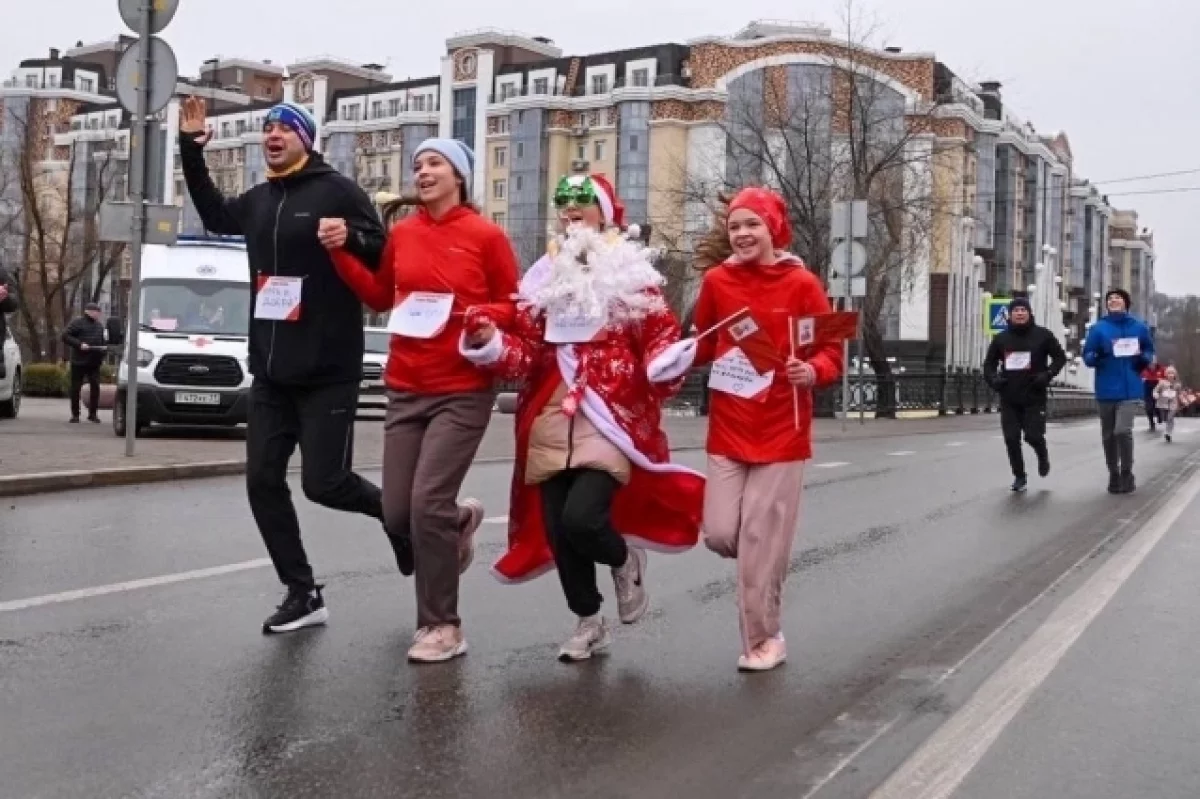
{"x":661,"y":506}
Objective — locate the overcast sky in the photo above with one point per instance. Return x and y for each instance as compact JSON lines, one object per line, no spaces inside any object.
{"x":1119,"y":78}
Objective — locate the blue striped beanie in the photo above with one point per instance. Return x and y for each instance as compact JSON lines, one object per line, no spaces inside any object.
{"x":297,"y":118}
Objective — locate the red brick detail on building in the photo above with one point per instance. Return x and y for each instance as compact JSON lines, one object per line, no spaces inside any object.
{"x":363,"y":140}
{"x":711,"y":61}
{"x":561,"y":119}
{"x":706,"y":111}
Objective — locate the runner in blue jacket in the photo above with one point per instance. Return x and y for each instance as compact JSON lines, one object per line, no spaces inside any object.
{"x":1118,"y":347}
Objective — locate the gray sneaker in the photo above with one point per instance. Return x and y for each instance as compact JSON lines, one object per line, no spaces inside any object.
{"x":632,"y":599}
{"x":591,"y":637}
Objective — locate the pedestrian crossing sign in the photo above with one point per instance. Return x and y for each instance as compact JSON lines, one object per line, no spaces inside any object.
{"x":995,"y":315}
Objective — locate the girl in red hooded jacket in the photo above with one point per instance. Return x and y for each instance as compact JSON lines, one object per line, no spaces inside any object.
{"x":760,"y":415}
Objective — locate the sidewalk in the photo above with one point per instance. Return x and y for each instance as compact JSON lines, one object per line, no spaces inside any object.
{"x":41,"y":442}
{"x":1100,"y":702}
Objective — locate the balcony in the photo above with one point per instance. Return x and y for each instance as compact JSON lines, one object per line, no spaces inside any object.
{"x":555,"y":91}
{"x":85,"y":86}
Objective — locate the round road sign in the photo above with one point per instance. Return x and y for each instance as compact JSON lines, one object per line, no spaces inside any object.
{"x":164,"y":74}
{"x":162,"y":12}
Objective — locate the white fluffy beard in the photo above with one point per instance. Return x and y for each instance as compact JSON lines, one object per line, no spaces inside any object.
{"x":595,"y":275}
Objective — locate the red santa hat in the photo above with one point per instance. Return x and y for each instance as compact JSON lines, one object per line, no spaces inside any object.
{"x":606,"y":196}
{"x":770,"y":208}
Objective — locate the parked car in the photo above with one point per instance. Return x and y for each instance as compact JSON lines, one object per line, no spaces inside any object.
{"x":10,"y":384}
{"x":372,"y":394}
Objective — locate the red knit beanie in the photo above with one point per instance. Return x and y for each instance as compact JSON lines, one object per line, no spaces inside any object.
{"x":771,"y":209}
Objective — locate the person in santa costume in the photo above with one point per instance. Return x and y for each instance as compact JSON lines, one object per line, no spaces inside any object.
{"x":760,"y":416}
{"x":592,"y":481}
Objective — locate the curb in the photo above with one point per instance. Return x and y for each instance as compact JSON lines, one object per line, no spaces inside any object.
{"x":26,"y":484}
{"x":22,"y":485}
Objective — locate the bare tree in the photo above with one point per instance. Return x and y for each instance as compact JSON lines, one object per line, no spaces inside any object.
{"x":825,"y":132}
{"x":62,"y":262}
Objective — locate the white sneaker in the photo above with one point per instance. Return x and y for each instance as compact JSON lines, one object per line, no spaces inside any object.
{"x":466,"y":546}
{"x":766,"y":656}
{"x":437,"y":644}
{"x":591,"y":637}
{"x":632,"y":599}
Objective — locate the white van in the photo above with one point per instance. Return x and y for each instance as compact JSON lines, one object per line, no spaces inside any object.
{"x":193,"y":340}
{"x":10,"y":383}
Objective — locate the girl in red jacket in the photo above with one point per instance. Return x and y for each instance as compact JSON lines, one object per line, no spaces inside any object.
{"x":438,"y":261}
{"x":761,"y":409}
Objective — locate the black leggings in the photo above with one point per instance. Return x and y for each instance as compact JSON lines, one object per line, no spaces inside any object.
{"x":576,"y":506}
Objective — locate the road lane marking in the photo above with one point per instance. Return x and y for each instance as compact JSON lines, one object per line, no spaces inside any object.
{"x":132,"y":585}
{"x":939,"y":767}
{"x":956,"y":444}
{"x":901,"y":453}
{"x":496,"y":520}
{"x":832,"y":465}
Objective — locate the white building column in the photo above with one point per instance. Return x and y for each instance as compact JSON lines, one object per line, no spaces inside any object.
{"x":914,"y":282}
{"x":172,"y":147}
{"x":446,"y":101}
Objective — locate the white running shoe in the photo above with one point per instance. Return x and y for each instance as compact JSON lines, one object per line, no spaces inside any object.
{"x":591,"y":637}
{"x":632,"y":599}
{"x":466,"y":546}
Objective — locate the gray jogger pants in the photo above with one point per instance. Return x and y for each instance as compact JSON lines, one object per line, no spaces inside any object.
{"x":1116,"y":431}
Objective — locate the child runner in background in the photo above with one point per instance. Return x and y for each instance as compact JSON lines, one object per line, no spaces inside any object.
{"x":437,"y":262}
{"x":1166,"y":399}
{"x":592,"y":482}
{"x":759,"y":430}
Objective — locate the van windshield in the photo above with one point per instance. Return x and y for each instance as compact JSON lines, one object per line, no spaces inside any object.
{"x":183,"y":305}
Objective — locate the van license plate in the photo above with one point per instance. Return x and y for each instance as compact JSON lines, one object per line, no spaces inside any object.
{"x":190,"y":398}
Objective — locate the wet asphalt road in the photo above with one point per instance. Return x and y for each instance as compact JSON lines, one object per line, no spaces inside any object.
{"x":911,"y":552}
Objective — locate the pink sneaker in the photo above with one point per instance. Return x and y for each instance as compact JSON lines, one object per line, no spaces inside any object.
{"x":766,"y":656}
{"x":473,"y":510}
{"x":437,"y":644}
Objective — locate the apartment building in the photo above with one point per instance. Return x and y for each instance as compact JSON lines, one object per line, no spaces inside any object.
{"x":1131,"y":260}
{"x":668,"y":124}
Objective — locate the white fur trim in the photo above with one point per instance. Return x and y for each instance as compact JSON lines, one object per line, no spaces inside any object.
{"x":535,"y":277}
{"x":673,"y":363}
{"x":606,"y":203}
{"x":601,"y":417}
{"x":486,"y":355}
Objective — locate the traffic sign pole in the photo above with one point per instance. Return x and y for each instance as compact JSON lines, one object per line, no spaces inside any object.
{"x":146,"y":79}
{"x":137,"y":151}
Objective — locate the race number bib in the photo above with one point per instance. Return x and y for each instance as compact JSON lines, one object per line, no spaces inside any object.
{"x":1018,"y":361}
{"x":278,"y":298}
{"x":563,"y":328}
{"x":1126,"y":348}
{"x":733,"y":373}
{"x":421,"y":314}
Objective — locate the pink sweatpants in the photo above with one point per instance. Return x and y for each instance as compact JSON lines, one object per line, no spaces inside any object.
{"x":750,"y":513}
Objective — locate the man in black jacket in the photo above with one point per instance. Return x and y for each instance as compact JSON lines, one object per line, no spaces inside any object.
{"x":1020,"y":364}
{"x":306,"y":338}
{"x":85,"y":337}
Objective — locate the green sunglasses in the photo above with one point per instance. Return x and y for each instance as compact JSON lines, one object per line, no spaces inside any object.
{"x":566,"y":194}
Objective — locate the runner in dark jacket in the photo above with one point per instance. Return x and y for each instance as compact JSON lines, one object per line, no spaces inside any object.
{"x":306,"y":336}
{"x":85,"y":337}
{"x":1020,"y":364}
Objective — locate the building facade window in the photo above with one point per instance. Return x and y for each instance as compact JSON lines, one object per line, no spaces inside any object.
{"x":500,"y":159}
{"x":502,"y":125}
{"x":520,"y":149}
{"x":599,"y":149}
{"x":599,"y":84}
{"x":500,"y":219}
{"x":499,"y":189}
{"x":377,"y":109}
{"x":633,"y":144}
{"x":641,"y":77}
{"x":541,"y":86}
{"x":463,"y":127}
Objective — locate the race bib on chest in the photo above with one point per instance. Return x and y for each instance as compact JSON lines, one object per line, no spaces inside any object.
{"x":1168,"y":393}
{"x":733,"y":373}
{"x":1126,"y":348}
{"x":421,"y":314}
{"x":564,"y":328}
{"x":279,"y":298}
{"x":1018,"y":361}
